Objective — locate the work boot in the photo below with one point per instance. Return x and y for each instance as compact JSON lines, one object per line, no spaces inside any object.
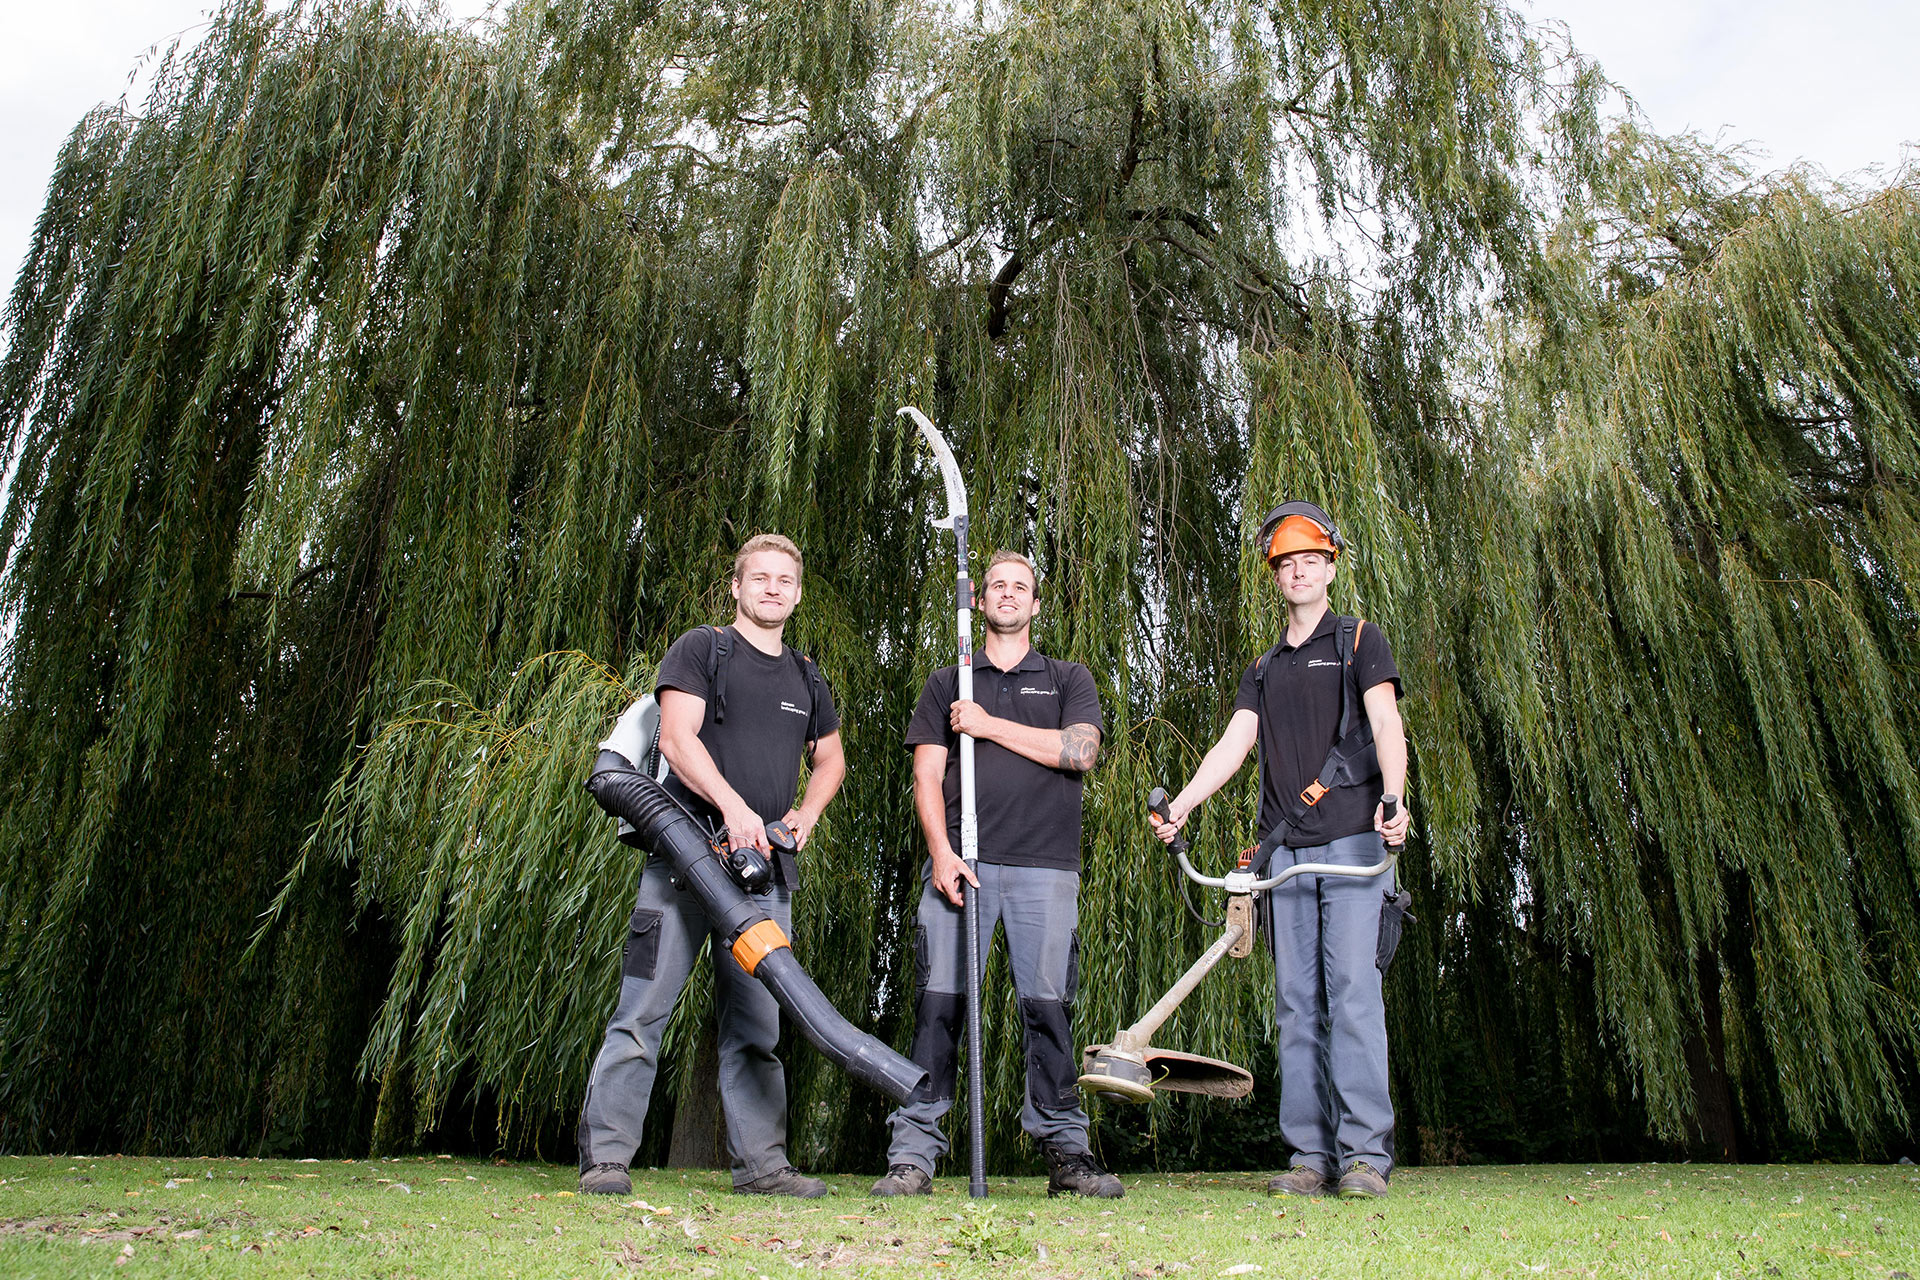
{"x":1362,"y":1182}
{"x":606,"y":1179}
{"x":787,"y":1181}
{"x":1078,"y":1172}
{"x":1301,"y":1180}
{"x":904,"y":1180}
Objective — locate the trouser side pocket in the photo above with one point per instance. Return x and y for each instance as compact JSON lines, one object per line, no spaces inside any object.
{"x":642,"y":951}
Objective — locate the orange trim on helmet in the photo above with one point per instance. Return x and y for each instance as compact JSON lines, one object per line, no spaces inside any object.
{"x":1298,"y":533}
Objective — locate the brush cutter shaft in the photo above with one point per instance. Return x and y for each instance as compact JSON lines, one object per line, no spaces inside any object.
{"x":1140,"y":1033}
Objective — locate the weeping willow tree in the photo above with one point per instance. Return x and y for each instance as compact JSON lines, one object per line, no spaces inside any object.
{"x":382,"y":396}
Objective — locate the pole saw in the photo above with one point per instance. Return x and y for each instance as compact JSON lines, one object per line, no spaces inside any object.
{"x":956,"y":520}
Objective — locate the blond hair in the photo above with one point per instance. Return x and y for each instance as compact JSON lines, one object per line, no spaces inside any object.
{"x":1008,"y":557}
{"x":767,"y":542}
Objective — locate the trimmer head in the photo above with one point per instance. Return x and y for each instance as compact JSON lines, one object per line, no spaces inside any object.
{"x":1115,"y":1075}
{"x":1118,"y":1075}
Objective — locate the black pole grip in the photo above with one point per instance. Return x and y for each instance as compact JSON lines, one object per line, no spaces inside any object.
{"x":1158,"y":805}
{"x":976,"y":1079}
{"x":1389,"y":810}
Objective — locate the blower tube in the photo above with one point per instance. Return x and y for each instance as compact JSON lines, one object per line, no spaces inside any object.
{"x":661,"y":826}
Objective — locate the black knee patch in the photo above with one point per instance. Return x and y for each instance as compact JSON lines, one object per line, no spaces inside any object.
{"x":937,"y":1017}
{"x":642,"y":952}
{"x":1051,"y":1074}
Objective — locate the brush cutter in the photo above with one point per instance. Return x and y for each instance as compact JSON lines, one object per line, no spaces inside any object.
{"x":1131,"y":1067}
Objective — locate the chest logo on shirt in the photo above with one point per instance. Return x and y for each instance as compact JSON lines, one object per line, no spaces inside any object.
{"x":1322,"y":662}
{"x":788,"y":706}
{"x":1027,"y":688}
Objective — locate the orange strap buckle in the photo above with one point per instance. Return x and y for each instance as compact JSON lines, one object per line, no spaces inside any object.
{"x":756,"y":942}
{"x":1313,"y":792}
{"x":1246,"y":856}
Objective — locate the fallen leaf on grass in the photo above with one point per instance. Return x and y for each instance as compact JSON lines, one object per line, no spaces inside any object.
{"x":1571,"y":1200}
{"x":1243,"y":1269}
{"x":658,"y":1211}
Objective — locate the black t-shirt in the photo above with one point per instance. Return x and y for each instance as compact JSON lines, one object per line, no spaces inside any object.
{"x":1300,"y":723}
{"x":758,"y":747}
{"x":1029,"y":814}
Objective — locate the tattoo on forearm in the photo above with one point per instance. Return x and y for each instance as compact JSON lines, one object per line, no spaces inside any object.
{"x":1079,"y":746}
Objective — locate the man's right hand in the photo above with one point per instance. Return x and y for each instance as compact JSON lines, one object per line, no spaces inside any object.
{"x":744,"y":827}
{"x":949,"y":868}
{"x":1176,"y":817}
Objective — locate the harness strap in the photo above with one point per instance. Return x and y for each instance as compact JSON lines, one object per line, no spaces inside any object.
{"x":722,"y":651}
{"x":1352,"y":758}
{"x":719,"y":660}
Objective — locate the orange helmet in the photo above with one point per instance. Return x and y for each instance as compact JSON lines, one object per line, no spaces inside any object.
{"x":1299,"y":526}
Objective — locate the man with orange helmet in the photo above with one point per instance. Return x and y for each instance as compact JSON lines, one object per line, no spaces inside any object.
{"x":1323,"y":706}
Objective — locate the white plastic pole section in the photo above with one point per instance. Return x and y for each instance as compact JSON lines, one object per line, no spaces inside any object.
{"x":956,"y":520}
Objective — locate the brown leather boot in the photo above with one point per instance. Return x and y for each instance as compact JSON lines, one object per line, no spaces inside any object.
{"x":1301,"y":1180}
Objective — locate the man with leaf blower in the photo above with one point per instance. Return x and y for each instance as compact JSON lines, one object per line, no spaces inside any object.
{"x":739,"y":710}
{"x":1036,"y":724}
{"x":1323,"y":706}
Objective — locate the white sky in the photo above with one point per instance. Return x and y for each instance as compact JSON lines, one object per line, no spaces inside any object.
{"x":1830,"y":81}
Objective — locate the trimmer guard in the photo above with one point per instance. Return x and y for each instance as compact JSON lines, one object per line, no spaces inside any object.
{"x":1169,"y":1069}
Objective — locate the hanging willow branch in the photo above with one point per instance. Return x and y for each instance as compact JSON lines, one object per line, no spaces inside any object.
{"x":379,"y":390}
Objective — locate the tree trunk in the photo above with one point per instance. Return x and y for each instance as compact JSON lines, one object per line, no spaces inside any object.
{"x":1706,"y":1051}
{"x":699,"y":1122}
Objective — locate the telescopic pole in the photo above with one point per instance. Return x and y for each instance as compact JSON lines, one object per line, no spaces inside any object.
{"x":956,"y":520}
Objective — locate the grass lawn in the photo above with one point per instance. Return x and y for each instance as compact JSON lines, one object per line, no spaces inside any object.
{"x":427,"y":1217}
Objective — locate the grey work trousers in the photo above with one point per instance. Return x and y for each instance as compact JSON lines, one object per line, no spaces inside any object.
{"x":1039,"y":909}
{"x":1334,"y":1103}
{"x":663,"y":941}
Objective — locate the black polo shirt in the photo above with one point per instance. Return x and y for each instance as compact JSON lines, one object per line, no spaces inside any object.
{"x":1300,"y":723}
{"x":1029,"y":814}
{"x":758,"y":747}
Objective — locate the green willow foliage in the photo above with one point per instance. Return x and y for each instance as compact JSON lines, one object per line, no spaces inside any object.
{"x":382,"y":397}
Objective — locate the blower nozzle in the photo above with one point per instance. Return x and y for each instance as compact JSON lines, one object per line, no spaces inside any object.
{"x":660,"y":825}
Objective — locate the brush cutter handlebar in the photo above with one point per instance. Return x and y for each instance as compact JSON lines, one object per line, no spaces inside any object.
{"x":1245,"y":882}
{"x":1157,"y":805}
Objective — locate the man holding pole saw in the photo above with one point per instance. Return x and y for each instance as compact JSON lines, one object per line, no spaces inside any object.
{"x":1323,"y":706}
{"x":998,"y":760}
